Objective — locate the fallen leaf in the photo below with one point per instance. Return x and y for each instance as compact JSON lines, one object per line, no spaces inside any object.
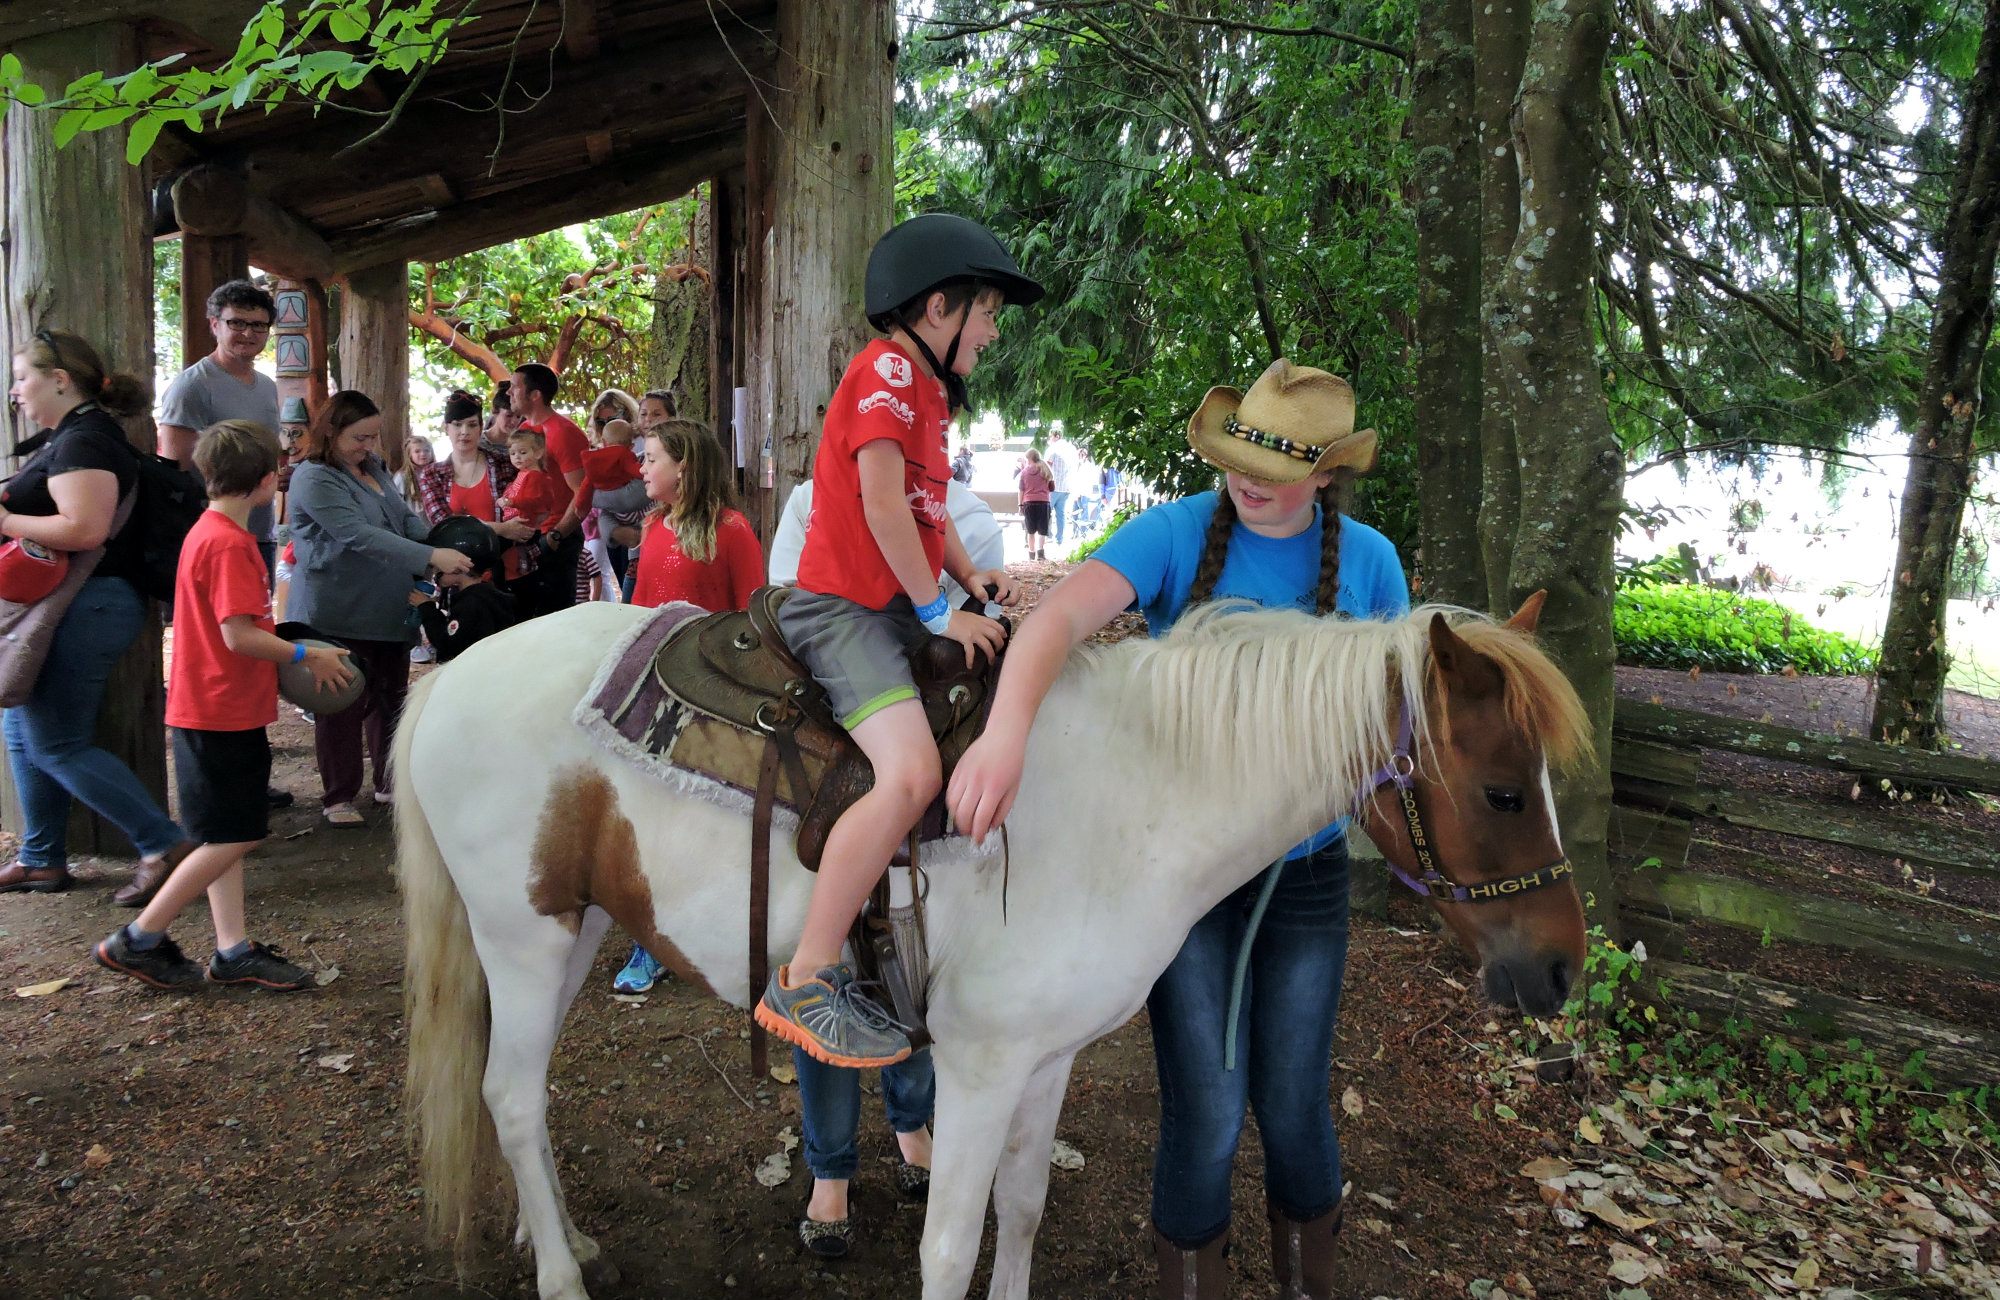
{"x":1066,"y":1157}
{"x":630,"y":999}
{"x":1587,"y":1129}
{"x":1350,"y":1100}
{"x":97,"y":1157}
{"x":1806,"y":1274}
{"x":784,"y":1074}
{"x":775,"y":1169}
{"x":326,"y":976}
{"x":1603,"y":1207}
{"x":1803,"y":1182}
{"x":1629,"y":1271}
{"x":338,"y":1062}
{"x":43,"y":990}
{"x":1545,"y":1168}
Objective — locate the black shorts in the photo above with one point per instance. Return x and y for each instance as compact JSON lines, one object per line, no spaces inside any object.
{"x":223,"y":778}
{"x":1035,"y":517}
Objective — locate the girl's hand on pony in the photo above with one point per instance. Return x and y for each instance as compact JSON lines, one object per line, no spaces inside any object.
{"x":999,"y":583}
{"x":976,"y":632}
{"x":986,"y":781}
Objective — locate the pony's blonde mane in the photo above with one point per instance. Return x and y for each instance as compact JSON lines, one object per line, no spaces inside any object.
{"x":1330,"y":690}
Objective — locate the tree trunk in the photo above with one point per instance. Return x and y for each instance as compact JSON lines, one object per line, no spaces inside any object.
{"x":206,"y":261}
{"x":830,"y":190}
{"x":1909,"y":701}
{"x":77,"y":258}
{"x":375,"y":348}
{"x":682,"y":307}
{"x":1500,"y":50}
{"x":1541,"y":331}
{"x":1448,"y":337}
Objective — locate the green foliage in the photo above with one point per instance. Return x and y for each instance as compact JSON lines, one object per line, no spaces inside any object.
{"x":1154,"y":170}
{"x":1089,"y":548}
{"x":1686,"y":626}
{"x":1658,"y":571}
{"x":280,"y":56}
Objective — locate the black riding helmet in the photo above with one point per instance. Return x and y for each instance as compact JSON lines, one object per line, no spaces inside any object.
{"x":927,"y":253}
{"x":469,"y":537}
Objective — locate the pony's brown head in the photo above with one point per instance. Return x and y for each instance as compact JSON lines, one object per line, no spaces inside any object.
{"x":1471,"y":820}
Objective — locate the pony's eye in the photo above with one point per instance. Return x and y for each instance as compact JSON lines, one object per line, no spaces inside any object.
{"x":1506,"y":801}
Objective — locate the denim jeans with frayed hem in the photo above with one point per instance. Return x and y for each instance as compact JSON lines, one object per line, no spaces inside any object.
{"x":1284,"y":1052}
{"x":52,"y":739}
{"x":830,"y":1107}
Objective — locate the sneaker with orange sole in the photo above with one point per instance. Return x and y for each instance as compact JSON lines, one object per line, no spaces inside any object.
{"x":833,"y":1020}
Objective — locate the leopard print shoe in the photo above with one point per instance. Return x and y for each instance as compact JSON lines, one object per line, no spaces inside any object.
{"x":827,"y":1240}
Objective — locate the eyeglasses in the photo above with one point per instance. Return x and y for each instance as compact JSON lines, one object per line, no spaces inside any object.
{"x":237,"y":326}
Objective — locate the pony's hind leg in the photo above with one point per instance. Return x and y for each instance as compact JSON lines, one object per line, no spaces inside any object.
{"x":525,"y":981}
{"x":1021,"y":1187}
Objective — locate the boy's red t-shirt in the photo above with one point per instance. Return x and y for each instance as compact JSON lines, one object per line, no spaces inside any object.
{"x":725,"y":582}
{"x":566,"y":443}
{"x":209,"y":686}
{"x":884,"y":394}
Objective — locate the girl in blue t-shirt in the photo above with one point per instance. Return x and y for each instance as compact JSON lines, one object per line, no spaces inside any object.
{"x":1274,"y":537}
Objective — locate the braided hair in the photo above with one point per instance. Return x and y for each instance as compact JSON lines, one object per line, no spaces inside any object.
{"x":1215,"y":545}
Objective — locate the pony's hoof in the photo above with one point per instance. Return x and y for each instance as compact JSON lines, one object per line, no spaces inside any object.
{"x":601,"y":1272}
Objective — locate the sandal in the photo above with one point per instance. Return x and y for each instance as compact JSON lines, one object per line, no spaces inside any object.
{"x":827,"y":1240}
{"x":913,"y":1181}
{"x":343,"y":816}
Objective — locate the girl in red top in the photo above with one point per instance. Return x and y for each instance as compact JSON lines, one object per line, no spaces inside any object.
{"x":696,"y":547}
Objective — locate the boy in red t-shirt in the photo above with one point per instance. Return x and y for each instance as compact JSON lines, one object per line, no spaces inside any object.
{"x":868,"y":592}
{"x":222,"y":691}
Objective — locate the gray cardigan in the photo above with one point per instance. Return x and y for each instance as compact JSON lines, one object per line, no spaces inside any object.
{"x":359,"y":553}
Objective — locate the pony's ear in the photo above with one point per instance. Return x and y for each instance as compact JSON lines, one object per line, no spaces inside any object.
{"x":1529,"y":614}
{"x":1464,"y":671}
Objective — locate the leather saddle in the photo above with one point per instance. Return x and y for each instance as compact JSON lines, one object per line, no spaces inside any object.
{"x":748,"y":693}
{"x":752,"y":714}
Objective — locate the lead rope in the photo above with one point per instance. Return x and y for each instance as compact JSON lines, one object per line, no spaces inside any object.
{"x":1270,"y":887}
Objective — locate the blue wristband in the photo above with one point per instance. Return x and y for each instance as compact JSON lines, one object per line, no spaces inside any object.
{"x":298,"y":652}
{"x":936,"y":616}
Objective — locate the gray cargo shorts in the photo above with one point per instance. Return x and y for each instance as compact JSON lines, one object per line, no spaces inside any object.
{"x":860,"y":655}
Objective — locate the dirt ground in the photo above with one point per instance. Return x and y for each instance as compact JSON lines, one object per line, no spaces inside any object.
{"x":155,"y":1145}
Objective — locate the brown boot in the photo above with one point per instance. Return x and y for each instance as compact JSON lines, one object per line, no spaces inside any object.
{"x":1191,"y":1274}
{"x":19,"y":877}
{"x":1302,"y":1254}
{"x":150,"y":875}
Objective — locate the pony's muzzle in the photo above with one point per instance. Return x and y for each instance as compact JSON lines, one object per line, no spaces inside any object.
{"x":1537,"y":983}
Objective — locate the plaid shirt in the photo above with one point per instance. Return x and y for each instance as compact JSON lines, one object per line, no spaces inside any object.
{"x":434,"y":484}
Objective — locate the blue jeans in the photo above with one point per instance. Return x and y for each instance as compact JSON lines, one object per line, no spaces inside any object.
{"x":830,"y":1107}
{"x":1058,"y":513}
{"x":1284,"y":1052}
{"x":52,"y":739}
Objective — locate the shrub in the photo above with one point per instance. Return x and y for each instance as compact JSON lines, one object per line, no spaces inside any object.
{"x":1117,"y":521}
{"x":1682,"y":626}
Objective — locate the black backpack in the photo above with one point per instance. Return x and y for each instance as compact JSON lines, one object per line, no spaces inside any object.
{"x":170,"y":500}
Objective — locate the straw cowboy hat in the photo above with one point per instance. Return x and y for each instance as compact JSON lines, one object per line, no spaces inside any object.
{"x":1294,"y":422}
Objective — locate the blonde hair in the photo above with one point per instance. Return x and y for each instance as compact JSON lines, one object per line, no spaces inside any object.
{"x":533,"y":441}
{"x":705,"y":488}
{"x":627,"y":405}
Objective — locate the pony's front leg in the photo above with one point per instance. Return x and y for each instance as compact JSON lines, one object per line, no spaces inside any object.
{"x":976,"y":1100}
{"x":1021,"y":1189}
{"x":525,"y":982}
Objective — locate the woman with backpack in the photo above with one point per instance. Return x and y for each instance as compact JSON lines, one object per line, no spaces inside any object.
{"x":66,"y":499}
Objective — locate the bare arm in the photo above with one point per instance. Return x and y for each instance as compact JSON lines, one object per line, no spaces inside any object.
{"x":176,"y":442}
{"x":890,"y":522}
{"x":328,"y":663}
{"x":86,"y":503}
{"x":988,"y":778}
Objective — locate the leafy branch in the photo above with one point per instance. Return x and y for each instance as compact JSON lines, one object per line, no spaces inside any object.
{"x":327,"y":47}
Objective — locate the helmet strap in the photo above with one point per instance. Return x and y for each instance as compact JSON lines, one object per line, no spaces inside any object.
{"x":954,"y":383}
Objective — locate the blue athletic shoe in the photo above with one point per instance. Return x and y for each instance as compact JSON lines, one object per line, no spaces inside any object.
{"x":640,"y":974}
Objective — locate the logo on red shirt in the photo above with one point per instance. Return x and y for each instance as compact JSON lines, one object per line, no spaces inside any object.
{"x":898,"y":408}
{"x":895,"y":368}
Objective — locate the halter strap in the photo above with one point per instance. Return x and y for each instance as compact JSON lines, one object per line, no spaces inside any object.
{"x":1401,"y":772}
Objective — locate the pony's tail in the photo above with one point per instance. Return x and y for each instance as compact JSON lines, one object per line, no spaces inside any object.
{"x":447,"y":1013}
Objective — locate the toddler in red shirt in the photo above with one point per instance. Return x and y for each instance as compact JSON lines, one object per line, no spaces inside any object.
{"x":532,"y":496}
{"x":222,"y":691}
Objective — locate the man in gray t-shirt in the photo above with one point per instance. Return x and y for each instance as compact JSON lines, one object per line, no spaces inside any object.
{"x":225,"y":385}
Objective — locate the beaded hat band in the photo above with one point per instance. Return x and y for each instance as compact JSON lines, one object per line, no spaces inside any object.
{"x":1293,"y":423}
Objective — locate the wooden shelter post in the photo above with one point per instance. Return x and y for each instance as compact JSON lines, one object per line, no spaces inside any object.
{"x":77,"y":257}
{"x":375,"y":347}
{"x":830,"y":192}
{"x":206,"y":261}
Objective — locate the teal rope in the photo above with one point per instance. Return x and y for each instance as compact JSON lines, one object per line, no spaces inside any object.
{"x":1271,"y":874}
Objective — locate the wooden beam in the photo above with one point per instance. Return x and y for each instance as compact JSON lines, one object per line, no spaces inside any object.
{"x":688,"y":86}
{"x":508,"y":215}
{"x":219,"y":22}
{"x":1950,"y":1051}
{"x":375,"y":348}
{"x":216,"y":202}
{"x":597,"y":146}
{"x":437,"y":191}
{"x":581,"y":37}
{"x":1656,"y":722}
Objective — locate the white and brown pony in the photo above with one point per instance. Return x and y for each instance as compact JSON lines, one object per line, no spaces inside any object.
{"x":1161,"y":775}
